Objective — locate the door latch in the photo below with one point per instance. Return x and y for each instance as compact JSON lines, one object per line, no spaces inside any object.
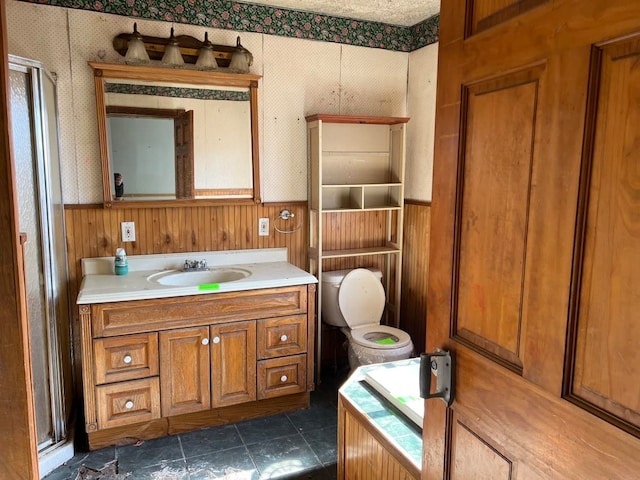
{"x":440,"y":364}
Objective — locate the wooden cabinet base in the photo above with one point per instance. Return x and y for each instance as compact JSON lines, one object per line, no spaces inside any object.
{"x":363,"y":452}
{"x":192,"y":421}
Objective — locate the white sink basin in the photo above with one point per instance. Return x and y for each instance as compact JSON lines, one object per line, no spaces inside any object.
{"x":204,"y":277}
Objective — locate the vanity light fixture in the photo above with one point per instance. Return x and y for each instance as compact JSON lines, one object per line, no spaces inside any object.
{"x":136,"y":51}
{"x":172,"y":55}
{"x":241,"y":59}
{"x":206,"y":57}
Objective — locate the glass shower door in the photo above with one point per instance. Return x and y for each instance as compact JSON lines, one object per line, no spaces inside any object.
{"x":41,"y":218}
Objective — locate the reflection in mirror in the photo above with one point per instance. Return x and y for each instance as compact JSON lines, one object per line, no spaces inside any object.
{"x":185,"y":135}
{"x":144,"y":147}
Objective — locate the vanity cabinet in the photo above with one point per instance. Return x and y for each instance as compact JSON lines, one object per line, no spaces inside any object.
{"x":157,"y":367}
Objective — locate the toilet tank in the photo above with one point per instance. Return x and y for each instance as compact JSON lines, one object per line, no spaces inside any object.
{"x":330,"y":286}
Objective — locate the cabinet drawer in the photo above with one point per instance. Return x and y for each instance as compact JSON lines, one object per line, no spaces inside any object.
{"x":278,"y":337}
{"x":126,"y":358}
{"x":130,"y":402}
{"x":121,"y":318}
{"x":282,"y":376}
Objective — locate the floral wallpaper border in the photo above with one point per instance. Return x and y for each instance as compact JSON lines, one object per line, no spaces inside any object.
{"x":247,"y":17}
{"x":177,"y":92}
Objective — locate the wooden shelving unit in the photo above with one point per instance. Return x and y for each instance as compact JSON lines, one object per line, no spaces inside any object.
{"x":356,"y":165}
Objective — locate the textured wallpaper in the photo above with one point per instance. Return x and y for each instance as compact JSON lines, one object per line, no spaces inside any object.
{"x":300,"y":77}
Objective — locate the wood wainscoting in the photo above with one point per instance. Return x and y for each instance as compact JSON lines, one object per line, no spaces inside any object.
{"x":415,"y":271}
{"x":93,"y":231}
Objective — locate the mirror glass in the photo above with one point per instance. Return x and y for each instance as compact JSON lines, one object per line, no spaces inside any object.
{"x":190,"y":137}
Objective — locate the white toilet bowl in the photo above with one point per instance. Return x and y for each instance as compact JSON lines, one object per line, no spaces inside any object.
{"x":354,"y":300}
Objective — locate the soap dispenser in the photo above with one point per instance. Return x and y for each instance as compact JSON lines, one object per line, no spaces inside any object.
{"x":120,"y":262}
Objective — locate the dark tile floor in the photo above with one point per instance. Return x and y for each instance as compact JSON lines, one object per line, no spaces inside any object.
{"x":298,"y":445}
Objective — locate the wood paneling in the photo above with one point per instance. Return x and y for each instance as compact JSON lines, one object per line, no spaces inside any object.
{"x":19,"y":458}
{"x":361,"y":455}
{"x":415,"y":271}
{"x":343,"y":231}
{"x":608,"y":333}
{"x":497,"y":149}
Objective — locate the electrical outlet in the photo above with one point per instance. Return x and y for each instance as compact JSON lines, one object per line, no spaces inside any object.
{"x":263,"y":227}
{"x":128,"y":231}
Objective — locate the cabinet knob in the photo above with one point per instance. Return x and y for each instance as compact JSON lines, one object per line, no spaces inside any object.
{"x":128,"y":404}
{"x":283,"y":338}
{"x":284,"y":378}
{"x":205,"y":341}
{"x":216,"y":339}
{"x":127,"y":359}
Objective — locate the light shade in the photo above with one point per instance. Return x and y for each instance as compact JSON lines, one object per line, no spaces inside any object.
{"x":136,"y":51}
{"x":241,"y":59}
{"x":172,"y":55}
{"x":206,"y":57}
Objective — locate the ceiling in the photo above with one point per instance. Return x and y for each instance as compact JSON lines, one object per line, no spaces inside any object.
{"x":395,"y":12}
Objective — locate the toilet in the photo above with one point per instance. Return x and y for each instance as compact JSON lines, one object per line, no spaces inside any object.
{"x":354,"y":300}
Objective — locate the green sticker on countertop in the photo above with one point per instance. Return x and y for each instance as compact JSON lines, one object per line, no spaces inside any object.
{"x":386,"y":341}
{"x":209,"y":286}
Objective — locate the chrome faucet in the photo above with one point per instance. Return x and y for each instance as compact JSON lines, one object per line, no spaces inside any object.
{"x":195,"y":265}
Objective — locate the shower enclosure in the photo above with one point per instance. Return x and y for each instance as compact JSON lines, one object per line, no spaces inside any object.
{"x":41,"y":218}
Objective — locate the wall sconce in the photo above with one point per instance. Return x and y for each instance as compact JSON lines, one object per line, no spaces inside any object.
{"x":241,"y":59}
{"x":136,"y":51}
{"x":172,"y":55}
{"x":206,"y":57}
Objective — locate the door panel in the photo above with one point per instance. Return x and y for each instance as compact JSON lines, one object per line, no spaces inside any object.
{"x":524,"y":238}
{"x":474,"y":457}
{"x":607,"y":354}
{"x":497,"y":160}
{"x":233,"y":363}
{"x":184,"y":371}
{"x":484,"y":14}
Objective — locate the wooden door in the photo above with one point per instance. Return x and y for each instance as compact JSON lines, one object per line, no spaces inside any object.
{"x":233,"y":363}
{"x":20,"y":454}
{"x":535,"y":249}
{"x":183,"y":137}
{"x":184,"y":371}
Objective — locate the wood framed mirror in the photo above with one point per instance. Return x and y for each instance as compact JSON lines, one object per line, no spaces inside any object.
{"x":176,"y":136}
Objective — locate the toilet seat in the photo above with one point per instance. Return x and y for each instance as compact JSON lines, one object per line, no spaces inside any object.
{"x":361,"y":298}
{"x":370,"y":336}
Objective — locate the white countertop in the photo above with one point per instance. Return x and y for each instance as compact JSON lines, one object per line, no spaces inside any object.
{"x":268,"y":268}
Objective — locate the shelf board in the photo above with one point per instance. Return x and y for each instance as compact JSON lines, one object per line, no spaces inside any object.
{"x":359,"y":185}
{"x":330,"y":118}
{"x":357,"y":252}
{"x":365,"y":209}
{"x":342,"y":153}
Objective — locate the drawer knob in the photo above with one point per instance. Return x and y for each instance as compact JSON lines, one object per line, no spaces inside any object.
{"x":216,"y":339}
{"x":284,"y":378}
{"x":205,"y":341}
{"x":283,"y":338}
{"x":129,"y":404}
{"x":127,"y":359}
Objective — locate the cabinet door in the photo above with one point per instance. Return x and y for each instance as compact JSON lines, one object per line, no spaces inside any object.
{"x":184,"y":371}
{"x":233,"y":363}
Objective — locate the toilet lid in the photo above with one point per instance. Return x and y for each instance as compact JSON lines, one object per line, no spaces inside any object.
{"x":381,"y":337}
{"x":361,"y":298}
